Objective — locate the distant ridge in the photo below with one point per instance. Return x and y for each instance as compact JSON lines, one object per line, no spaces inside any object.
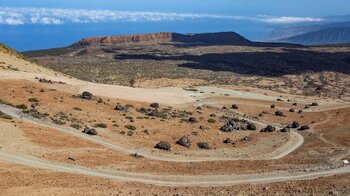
{"x":222,"y":38}
{"x":334,"y":35}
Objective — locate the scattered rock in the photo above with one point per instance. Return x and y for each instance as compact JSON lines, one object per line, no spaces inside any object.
{"x":154,"y":105}
{"x":229,"y":126}
{"x":192,"y":120}
{"x":235,"y":106}
{"x":300,"y":111}
{"x":279,"y":113}
{"x":294,"y":125}
{"x":89,"y":131}
{"x":100,"y":100}
{"x":285,"y":129}
{"x":273,"y":106}
{"x":120,"y":107}
{"x":228,"y":141}
{"x":269,"y":128}
{"x":251,"y":126}
{"x":204,"y":128}
{"x":184,"y":141}
{"x":203,"y":145}
{"x":162,"y":145}
{"x":314,"y":104}
{"x":199,"y":108}
{"x":86,"y":95}
{"x":304,"y":127}
{"x":42,"y":90}
{"x":295,"y":104}
{"x":291,"y":110}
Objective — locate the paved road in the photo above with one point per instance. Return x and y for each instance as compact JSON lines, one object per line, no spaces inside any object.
{"x":170,"y":180}
{"x":277,"y":154}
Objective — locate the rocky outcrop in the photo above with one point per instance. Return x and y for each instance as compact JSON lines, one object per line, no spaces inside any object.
{"x":224,"y":38}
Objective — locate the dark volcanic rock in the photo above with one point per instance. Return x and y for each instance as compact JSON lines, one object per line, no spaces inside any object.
{"x":203,"y":145}
{"x":162,"y":145}
{"x":154,"y":105}
{"x":235,"y":106}
{"x":269,"y":128}
{"x":89,"y":131}
{"x":229,"y":127}
{"x":120,"y":107}
{"x":304,"y":127}
{"x":279,"y":113}
{"x":285,"y":129}
{"x":251,"y":126}
{"x":184,"y":141}
{"x":86,"y":95}
{"x":228,"y":141}
{"x":192,"y":120}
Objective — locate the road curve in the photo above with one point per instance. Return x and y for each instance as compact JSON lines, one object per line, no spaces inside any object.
{"x":169,"y":180}
{"x":277,"y":154}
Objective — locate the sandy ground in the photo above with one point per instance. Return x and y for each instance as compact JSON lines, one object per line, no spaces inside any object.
{"x":271,"y":156}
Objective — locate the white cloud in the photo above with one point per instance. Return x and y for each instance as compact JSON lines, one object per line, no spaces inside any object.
{"x":291,"y":20}
{"x":52,"y":16}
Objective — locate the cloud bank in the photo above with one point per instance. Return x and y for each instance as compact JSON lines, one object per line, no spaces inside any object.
{"x":53,"y":16}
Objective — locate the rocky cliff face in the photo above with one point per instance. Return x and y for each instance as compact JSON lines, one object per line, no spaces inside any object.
{"x":228,"y":38}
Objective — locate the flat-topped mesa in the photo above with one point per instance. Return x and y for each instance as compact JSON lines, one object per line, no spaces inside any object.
{"x":112,"y":40}
{"x":229,"y":38}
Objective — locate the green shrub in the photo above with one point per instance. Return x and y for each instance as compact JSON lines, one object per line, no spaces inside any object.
{"x":101,"y":125}
{"x":210,"y":120}
{"x":5,"y":116}
{"x":33,"y":99}
{"x":21,"y":106}
{"x":75,"y":126}
{"x":130,"y":127}
{"x":77,"y":108}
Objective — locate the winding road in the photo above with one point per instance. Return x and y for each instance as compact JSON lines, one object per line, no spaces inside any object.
{"x":295,"y":141}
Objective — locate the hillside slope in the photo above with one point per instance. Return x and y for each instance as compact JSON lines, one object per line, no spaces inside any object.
{"x":336,"y":35}
{"x":10,"y":60}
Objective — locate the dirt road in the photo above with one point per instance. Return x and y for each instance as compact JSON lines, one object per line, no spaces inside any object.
{"x":295,"y":141}
{"x":171,"y":180}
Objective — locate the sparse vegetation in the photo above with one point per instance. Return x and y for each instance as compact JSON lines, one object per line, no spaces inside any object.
{"x":130,"y":127}
{"x":101,"y":125}
{"x":21,"y":106}
{"x":33,"y":100}
{"x":211,"y":120}
{"x":5,"y":116}
{"x":75,"y":126}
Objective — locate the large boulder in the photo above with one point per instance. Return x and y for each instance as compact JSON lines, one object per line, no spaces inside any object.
{"x":268,"y":128}
{"x":251,"y":126}
{"x":294,"y":125}
{"x":203,"y":145}
{"x":192,"y":120}
{"x":279,"y":113}
{"x":184,"y":141}
{"x":89,"y":131}
{"x":229,"y":126}
{"x":162,"y":145}
{"x":86,"y":95}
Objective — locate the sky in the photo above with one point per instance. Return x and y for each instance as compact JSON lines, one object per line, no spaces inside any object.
{"x":31,"y":24}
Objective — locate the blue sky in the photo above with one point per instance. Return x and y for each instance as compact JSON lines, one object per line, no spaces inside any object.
{"x":38,"y":24}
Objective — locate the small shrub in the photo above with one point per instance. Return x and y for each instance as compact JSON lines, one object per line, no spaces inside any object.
{"x":211,"y":120}
{"x":33,"y":99}
{"x":77,"y":108}
{"x":75,"y":126}
{"x":101,"y":125}
{"x":129,"y":106}
{"x":36,"y":115}
{"x":21,"y":106}
{"x":130,"y":127}
{"x":5,"y":116}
